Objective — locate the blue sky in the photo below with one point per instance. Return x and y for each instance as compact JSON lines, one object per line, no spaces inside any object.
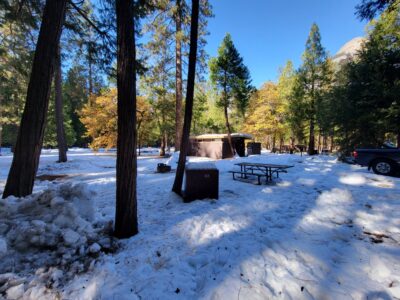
{"x":269,"y":32}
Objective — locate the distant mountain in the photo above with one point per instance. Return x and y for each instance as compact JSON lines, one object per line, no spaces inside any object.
{"x":349,"y":50}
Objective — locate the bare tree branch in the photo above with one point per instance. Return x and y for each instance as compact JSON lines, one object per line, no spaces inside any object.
{"x":86,"y":18}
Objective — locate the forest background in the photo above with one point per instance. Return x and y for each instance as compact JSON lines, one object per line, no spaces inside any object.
{"x":323,"y":103}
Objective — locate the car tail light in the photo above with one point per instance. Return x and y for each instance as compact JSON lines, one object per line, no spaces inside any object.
{"x":355,"y":154}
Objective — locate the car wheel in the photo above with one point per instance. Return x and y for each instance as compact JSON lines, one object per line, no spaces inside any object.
{"x":383,"y":167}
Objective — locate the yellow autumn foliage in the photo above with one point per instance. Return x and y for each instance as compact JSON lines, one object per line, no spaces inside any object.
{"x":100,"y":118}
{"x":266,"y":114}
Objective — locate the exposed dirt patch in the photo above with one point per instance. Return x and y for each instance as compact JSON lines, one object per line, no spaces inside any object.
{"x":51,"y":177}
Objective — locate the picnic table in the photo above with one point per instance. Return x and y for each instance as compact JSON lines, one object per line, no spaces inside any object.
{"x":259,"y":170}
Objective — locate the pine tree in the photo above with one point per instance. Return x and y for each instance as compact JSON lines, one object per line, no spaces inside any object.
{"x":59,"y":109}
{"x":179,"y":35}
{"x":19,"y":27}
{"x":311,"y":81}
{"x":170,"y":26}
{"x":158,"y":84}
{"x":30,"y":137}
{"x":75,"y":93}
{"x":199,"y":109}
{"x":194,"y":27}
{"x":324,"y":107}
{"x":126,"y":221}
{"x":50,"y":133}
{"x":232,"y":79}
{"x":207,"y":116}
{"x":367,"y":89}
{"x":368,"y":9}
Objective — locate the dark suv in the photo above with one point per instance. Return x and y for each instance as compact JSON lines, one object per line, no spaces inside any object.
{"x":383,"y":161}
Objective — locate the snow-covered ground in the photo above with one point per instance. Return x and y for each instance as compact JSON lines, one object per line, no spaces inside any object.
{"x":325,"y":230}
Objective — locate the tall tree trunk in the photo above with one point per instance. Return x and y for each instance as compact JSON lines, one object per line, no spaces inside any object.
{"x":228,"y":128}
{"x":311,"y":141}
{"x":138,"y":125}
{"x":398,"y":140}
{"x":61,"y":140}
{"x":163,"y":134}
{"x":268,"y":142}
{"x":30,"y":135}
{"x":346,"y":138}
{"x":90,"y":72}
{"x":163,"y":144}
{"x":126,"y":223}
{"x":319,"y":141}
{"x":227,"y":124}
{"x":331,"y":144}
{"x":177,"y":187}
{"x":167,"y":142}
{"x":178,"y":79}
{"x":291,"y":145}
{"x":398,"y":133}
{"x":274,"y":142}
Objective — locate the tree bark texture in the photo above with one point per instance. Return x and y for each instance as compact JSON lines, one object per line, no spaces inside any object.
{"x":126,"y":223}
{"x":273,"y":143}
{"x":30,"y":135}
{"x":162,"y":145}
{"x":178,"y":79}
{"x":228,"y":128}
{"x":61,"y":140}
{"x":177,"y":187}
{"x":398,"y":140}
{"x":291,"y":145}
{"x":311,"y":141}
{"x":227,"y":124}
{"x":138,"y":124}
{"x":90,"y":71}
{"x":319,"y":141}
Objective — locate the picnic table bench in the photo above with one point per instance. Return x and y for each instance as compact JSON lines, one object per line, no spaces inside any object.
{"x":259,"y":170}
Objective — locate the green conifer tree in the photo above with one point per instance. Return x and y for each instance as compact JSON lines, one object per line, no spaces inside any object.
{"x":311,"y":82}
{"x":369,"y":87}
{"x":232,"y":80}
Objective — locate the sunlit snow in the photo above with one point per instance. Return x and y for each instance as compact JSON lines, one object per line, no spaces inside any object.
{"x":323,"y":230}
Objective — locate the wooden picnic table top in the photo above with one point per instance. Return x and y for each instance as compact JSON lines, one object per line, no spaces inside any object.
{"x":248,"y":164}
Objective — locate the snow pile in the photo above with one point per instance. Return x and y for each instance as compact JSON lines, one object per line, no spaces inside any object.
{"x":5,"y":151}
{"x":50,"y":234}
{"x":173,"y":160}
